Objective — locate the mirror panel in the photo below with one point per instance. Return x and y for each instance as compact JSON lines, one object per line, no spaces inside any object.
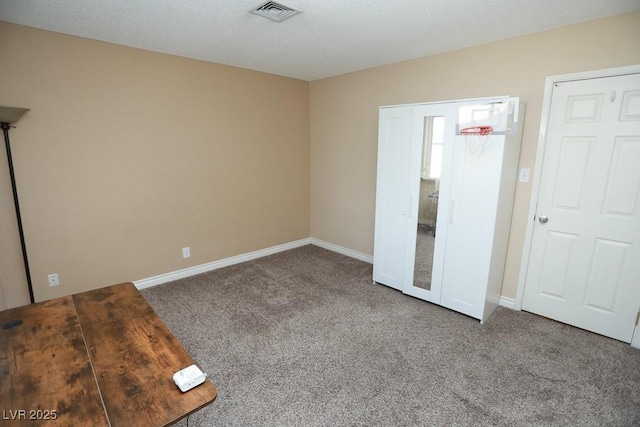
{"x":432,"y":150}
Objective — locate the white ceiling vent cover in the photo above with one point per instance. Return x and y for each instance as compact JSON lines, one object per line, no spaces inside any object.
{"x":275,"y":11}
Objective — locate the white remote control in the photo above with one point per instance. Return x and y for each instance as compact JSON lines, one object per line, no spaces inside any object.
{"x":189,"y":377}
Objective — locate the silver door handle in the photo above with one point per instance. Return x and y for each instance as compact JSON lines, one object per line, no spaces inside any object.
{"x":543,"y":219}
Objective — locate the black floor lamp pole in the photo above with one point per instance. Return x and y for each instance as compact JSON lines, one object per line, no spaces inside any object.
{"x":5,"y":129}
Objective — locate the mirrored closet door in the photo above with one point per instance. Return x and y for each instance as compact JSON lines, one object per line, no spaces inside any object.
{"x":433,"y":128}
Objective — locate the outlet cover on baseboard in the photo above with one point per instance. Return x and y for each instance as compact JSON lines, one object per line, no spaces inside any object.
{"x":186,"y":252}
{"x":53,"y":279}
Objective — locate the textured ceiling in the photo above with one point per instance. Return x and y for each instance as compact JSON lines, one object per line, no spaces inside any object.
{"x":328,"y":38}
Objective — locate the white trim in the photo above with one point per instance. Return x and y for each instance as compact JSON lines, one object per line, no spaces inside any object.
{"x":203,"y":268}
{"x":537,"y":171}
{"x":507,"y":302}
{"x":451,"y":101}
{"x":342,"y":250}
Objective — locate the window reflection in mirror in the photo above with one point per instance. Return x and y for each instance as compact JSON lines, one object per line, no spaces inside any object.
{"x":432,"y":148}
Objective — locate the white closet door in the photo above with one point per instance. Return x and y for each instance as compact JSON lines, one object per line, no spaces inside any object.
{"x":420,"y":113}
{"x":392,"y":196}
{"x":471,"y":226}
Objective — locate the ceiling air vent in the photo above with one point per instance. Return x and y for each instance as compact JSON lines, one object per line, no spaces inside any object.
{"x":275,"y":11}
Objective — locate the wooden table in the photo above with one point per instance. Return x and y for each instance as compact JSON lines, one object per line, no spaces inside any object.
{"x":97,"y":358}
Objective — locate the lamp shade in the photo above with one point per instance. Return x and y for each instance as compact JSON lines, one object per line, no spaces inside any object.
{"x":11,"y":114}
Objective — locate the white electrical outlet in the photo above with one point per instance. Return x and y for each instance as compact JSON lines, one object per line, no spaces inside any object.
{"x":53,"y":279}
{"x":523,"y":176}
{"x":186,"y":252}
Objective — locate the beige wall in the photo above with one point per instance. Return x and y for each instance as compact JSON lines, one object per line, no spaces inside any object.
{"x":344,"y":116}
{"x":127,"y":156}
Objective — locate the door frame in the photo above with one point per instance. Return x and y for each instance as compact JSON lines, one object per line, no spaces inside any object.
{"x":539,"y":159}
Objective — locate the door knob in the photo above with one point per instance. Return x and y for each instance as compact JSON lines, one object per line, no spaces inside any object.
{"x":543,"y":219}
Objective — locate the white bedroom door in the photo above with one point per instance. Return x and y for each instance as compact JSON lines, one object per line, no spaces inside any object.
{"x":584,"y":266}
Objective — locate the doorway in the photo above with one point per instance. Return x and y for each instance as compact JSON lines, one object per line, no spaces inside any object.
{"x":582,"y":256}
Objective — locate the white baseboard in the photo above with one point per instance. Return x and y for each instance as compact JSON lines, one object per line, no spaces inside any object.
{"x":203,"y":268}
{"x":342,"y":250}
{"x":508,"y":302}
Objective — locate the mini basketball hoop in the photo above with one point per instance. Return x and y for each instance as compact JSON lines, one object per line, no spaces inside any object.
{"x":476,"y":138}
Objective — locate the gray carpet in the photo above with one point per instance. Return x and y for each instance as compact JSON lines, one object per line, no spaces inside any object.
{"x":303,"y":338}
